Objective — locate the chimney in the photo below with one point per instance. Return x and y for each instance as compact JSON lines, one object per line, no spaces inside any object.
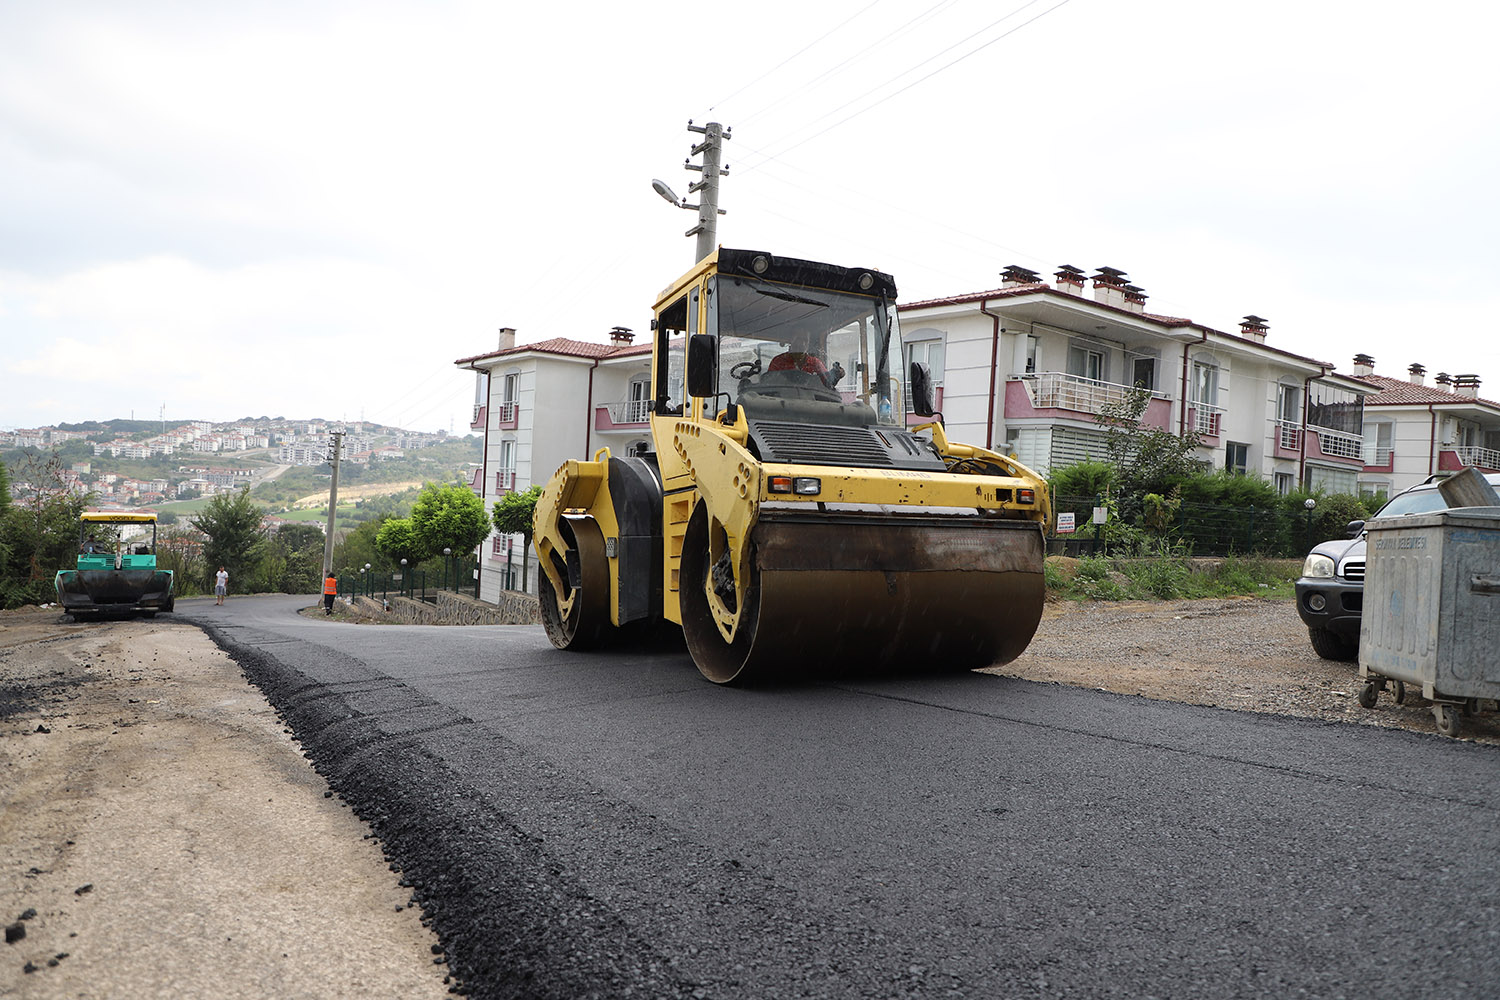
{"x":621,"y":336}
{"x":1444,"y":381}
{"x":1015,"y":275}
{"x":1135,"y":298}
{"x":507,"y":337}
{"x":1254,"y":328}
{"x":1069,"y":279}
{"x":1466,"y":385}
{"x":1418,"y":374}
{"x":1109,"y":286}
{"x":1363,"y":365}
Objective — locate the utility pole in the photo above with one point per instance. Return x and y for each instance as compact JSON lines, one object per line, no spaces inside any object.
{"x":335,"y":447}
{"x":712,"y":148}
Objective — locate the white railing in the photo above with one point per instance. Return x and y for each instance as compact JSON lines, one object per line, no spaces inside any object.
{"x":630,"y":411}
{"x":1377,"y":455}
{"x":1288,"y":435}
{"x":1205,"y":418}
{"x":505,"y":413}
{"x":1485,"y":458}
{"x":1061,"y":391}
{"x":1340,"y":444}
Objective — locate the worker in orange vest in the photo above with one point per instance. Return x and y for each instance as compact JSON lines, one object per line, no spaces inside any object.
{"x":330,"y":591}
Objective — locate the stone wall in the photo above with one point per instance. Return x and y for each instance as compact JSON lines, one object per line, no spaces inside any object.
{"x":456,"y":609}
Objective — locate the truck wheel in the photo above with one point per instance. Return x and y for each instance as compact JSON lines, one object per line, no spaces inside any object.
{"x":578,"y":618}
{"x":1332,"y":646}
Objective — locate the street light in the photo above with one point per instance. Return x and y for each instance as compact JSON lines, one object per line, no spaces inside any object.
{"x":369,"y":582}
{"x":1308,"y":505}
{"x":447,"y":552}
{"x":403,"y":577}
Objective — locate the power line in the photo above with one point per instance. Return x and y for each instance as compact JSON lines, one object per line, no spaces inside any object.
{"x":946,"y":66}
{"x":794,"y":55}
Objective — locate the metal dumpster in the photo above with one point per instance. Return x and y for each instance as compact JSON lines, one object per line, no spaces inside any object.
{"x":1432,"y":611}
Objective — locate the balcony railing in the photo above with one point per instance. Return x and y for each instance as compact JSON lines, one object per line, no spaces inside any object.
{"x":1340,"y":444}
{"x":505,"y":481}
{"x":1288,"y":435}
{"x":477,"y":421}
{"x":1378,"y":454}
{"x":1205,"y":418}
{"x":505,"y":414}
{"x":630,"y":411}
{"x":1484,"y":458}
{"x":1061,"y":391}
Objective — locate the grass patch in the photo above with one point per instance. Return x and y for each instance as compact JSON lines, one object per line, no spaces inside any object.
{"x":1169,"y":577}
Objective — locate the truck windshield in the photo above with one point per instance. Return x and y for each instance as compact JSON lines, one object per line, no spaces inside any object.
{"x":808,"y":354}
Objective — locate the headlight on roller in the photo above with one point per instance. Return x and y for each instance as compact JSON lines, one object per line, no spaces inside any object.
{"x":1317,"y":567}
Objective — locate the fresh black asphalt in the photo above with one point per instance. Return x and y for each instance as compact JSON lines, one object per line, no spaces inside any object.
{"x":611,"y":825}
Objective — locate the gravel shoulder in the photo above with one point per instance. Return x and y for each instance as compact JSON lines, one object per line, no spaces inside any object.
{"x":163,"y":836}
{"x":1246,"y":654}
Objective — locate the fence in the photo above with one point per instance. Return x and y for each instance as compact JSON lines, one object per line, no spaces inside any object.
{"x":456,"y":576}
{"x":1206,"y":529}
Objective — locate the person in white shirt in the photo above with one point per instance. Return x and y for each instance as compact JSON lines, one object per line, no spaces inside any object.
{"x":221,"y":585}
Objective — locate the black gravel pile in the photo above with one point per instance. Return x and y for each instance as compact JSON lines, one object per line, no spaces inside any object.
{"x":511,"y":918}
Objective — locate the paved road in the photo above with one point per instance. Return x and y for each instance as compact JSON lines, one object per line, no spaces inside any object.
{"x":610,"y":825}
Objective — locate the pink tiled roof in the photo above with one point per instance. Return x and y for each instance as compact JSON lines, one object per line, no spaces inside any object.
{"x":565,"y":347}
{"x":1401,"y":392}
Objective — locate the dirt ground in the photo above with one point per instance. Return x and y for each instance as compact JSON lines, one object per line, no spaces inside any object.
{"x":162,"y":836}
{"x":355,"y":493}
{"x":1246,"y":654}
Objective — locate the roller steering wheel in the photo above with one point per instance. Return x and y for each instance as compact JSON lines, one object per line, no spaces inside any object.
{"x":745,"y":369}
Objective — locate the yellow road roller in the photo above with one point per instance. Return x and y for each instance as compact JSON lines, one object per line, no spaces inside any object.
{"x":793,"y":520}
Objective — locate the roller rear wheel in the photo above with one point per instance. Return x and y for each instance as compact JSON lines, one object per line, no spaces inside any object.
{"x":577,"y":618}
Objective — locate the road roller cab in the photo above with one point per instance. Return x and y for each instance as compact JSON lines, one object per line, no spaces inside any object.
{"x":790,"y":520}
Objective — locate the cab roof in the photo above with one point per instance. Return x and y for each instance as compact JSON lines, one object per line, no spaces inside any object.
{"x":117,"y":517}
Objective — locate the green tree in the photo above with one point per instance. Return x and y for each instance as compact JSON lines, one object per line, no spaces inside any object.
{"x":397,"y":539}
{"x":300,"y":551}
{"x":38,"y":531}
{"x":358,"y":547}
{"x":235,"y":538}
{"x":1149,"y":459}
{"x":514,"y":514}
{"x":450,"y":517}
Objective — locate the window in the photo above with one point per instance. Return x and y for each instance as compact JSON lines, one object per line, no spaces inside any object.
{"x":1284,"y":483}
{"x":1205,"y":384}
{"x":671,"y":342}
{"x":1086,"y":363}
{"x":1236,"y":457}
{"x":1033,"y":347}
{"x":929,"y":353}
{"x":1144,"y":374}
{"x":636,"y":401}
{"x":1289,"y":403}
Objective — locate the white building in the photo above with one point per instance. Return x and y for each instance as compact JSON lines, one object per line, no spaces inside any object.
{"x":540,"y":405}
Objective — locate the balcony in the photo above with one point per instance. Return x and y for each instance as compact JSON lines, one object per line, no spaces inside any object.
{"x":478,"y":421}
{"x":505,"y":415}
{"x":505,"y":481}
{"x":1336,"y":444}
{"x":629,"y":414}
{"x":1206,"y":419}
{"x":1458,"y":459}
{"x":1041,"y":394}
{"x":1379,"y":458}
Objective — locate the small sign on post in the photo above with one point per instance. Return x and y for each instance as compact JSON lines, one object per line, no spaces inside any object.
{"x":1101,"y":514}
{"x":1065,"y":523}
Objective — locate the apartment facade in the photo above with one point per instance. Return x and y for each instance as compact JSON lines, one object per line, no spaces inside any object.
{"x":539,"y":405}
{"x":1028,"y":367}
{"x":1414,"y":430}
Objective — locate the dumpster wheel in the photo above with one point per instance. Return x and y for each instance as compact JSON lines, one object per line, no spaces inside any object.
{"x":1449,"y":719}
{"x":1369,"y":694}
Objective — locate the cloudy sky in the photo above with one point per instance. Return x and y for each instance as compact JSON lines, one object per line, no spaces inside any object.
{"x":312,"y":208}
